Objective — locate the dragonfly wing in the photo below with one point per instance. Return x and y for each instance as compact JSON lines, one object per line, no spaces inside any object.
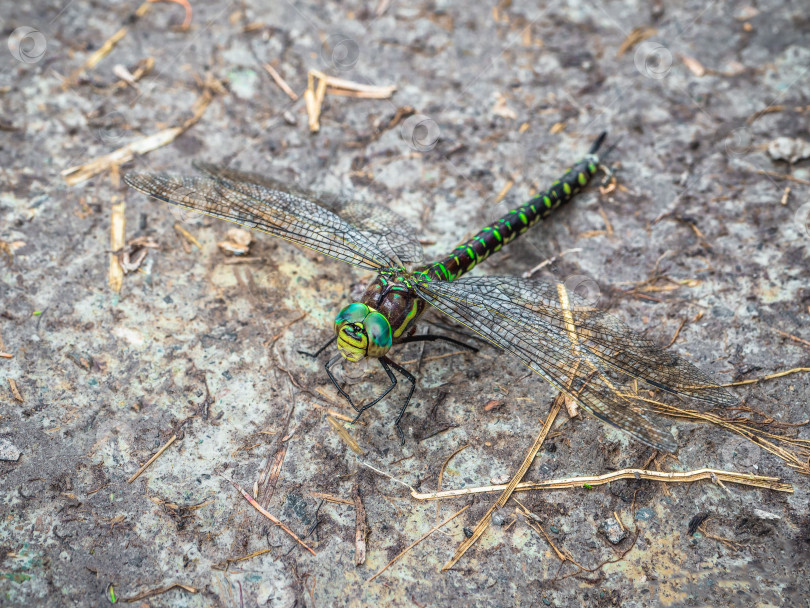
{"x":287,"y":214}
{"x":527,"y":319}
{"x":612,"y":344}
{"x":389,"y":231}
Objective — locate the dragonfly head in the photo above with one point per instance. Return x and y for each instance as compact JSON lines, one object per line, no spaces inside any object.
{"x":362,"y":332}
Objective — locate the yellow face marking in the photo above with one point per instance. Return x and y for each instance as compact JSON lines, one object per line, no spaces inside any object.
{"x":352,"y":344}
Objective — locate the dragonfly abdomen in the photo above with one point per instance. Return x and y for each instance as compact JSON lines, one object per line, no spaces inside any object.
{"x":493,"y":237}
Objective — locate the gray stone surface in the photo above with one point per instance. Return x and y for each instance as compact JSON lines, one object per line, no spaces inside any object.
{"x":205,"y":350}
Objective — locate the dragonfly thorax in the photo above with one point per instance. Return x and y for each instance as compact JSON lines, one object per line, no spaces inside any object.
{"x":392,"y":295}
{"x":362,"y":332}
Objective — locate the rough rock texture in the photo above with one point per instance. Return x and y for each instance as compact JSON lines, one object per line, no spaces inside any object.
{"x":207,"y":351}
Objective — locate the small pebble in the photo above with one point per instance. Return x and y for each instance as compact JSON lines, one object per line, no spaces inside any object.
{"x":613,"y":531}
{"x":500,"y":516}
{"x":766,"y":515}
{"x":468,"y":532}
{"x":8,"y":451}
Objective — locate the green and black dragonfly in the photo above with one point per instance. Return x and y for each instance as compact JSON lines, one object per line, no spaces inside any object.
{"x":579,"y":349}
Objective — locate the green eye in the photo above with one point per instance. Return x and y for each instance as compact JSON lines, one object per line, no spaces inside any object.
{"x":353,"y":313}
{"x":379,"y":334}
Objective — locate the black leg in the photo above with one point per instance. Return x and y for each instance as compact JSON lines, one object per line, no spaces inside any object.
{"x":409,"y":377}
{"x":319,"y":351}
{"x":345,"y":395}
{"x":431,"y":337}
{"x":385,"y":362}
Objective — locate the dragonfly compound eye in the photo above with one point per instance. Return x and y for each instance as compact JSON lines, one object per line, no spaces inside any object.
{"x":353,"y":313}
{"x":378,"y":330}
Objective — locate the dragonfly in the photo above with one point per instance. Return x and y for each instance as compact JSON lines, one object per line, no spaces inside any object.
{"x":578,"y":348}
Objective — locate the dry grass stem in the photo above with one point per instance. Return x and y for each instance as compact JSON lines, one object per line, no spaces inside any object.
{"x":331,"y":498}
{"x":159,"y":591}
{"x":118,"y":224}
{"x":509,"y":488}
{"x":760,"y":481}
{"x":271,"y":517}
{"x":282,"y":84}
{"x":421,"y":538}
{"x":186,"y":235}
{"x":80,"y":173}
{"x":148,"y":463}
{"x":344,"y":434}
{"x":14,"y":390}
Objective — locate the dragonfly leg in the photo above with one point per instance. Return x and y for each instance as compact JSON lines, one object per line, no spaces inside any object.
{"x":409,"y":377}
{"x":360,"y":410}
{"x":431,"y":337}
{"x":327,"y":367}
{"x":384,"y":361}
{"x":319,"y":351}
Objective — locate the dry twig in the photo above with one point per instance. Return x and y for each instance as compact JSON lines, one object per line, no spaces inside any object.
{"x":360,"y":528}
{"x":117,"y":242}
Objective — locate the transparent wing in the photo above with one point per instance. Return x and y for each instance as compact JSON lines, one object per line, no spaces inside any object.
{"x":608,"y":342}
{"x":574,"y":347}
{"x":391,"y":233}
{"x":282,"y":212}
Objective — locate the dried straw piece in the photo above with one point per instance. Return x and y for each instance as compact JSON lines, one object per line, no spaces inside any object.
{"x":271,"y":517}
{"x":152,"y":459}
{"x":760,"y":481}
{"x":639,"y":34}
{"x":509,"y":488}
{"x":80,"y":173}
{"x":159,"y":591}
{"x":117,"y":242}
{"x":319,"y":84}
{"x":14,"y":390}
{"x":344,"y":435}
{"x":416,"y":542}
{"x":282,"y":84}
{"x":331,"y":498}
